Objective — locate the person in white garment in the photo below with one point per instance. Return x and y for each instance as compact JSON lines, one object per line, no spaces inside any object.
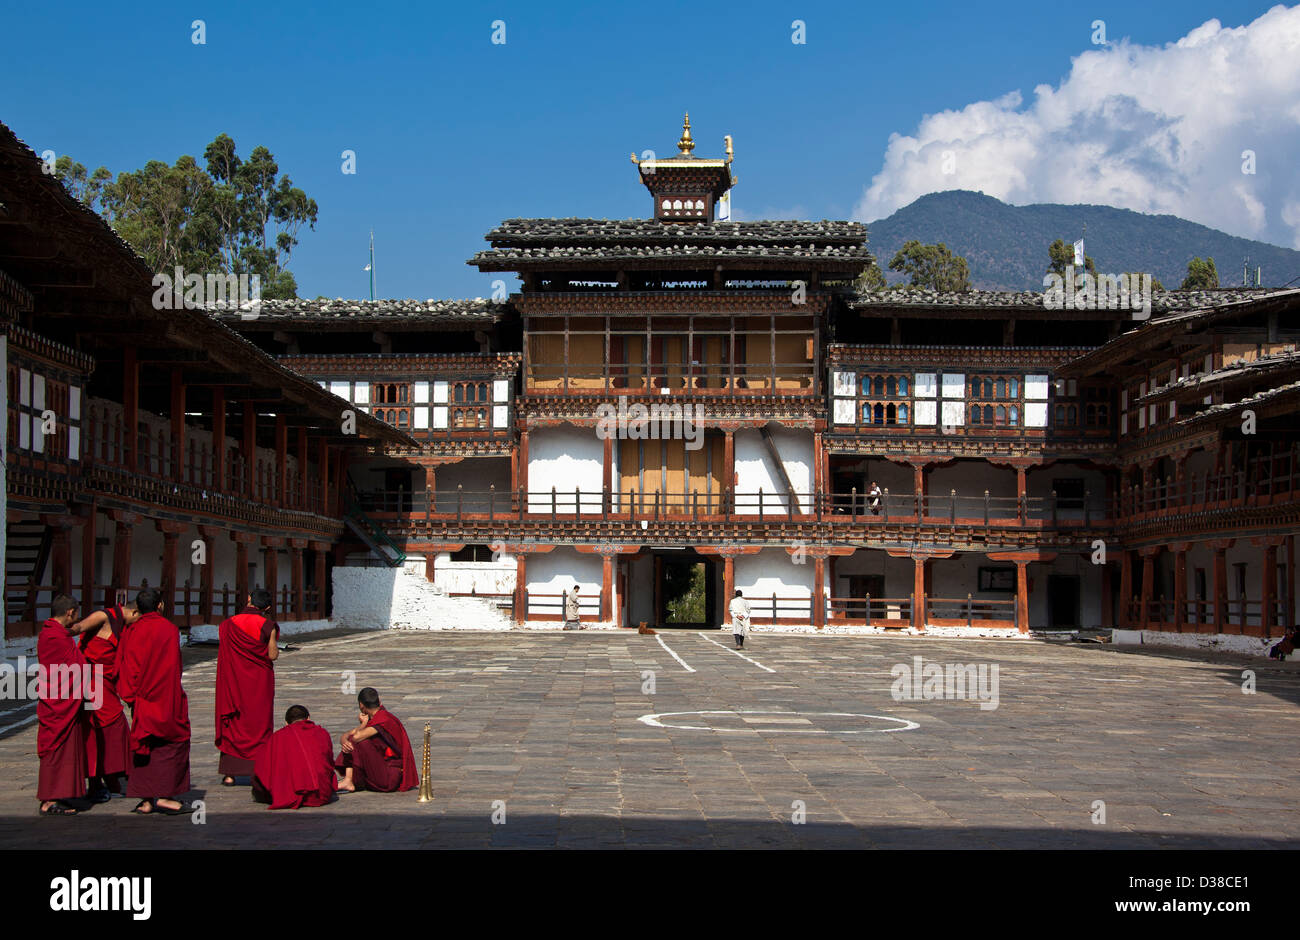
{"x":739,"y":609}
{"x":572,"y":617}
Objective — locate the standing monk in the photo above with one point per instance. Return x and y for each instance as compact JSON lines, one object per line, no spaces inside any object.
{"x":376,"y":755}
{"x":108,"y":735}
{"x":739,"y":609}
{"x":246,"y":685}
{"x":61,"y":736}
{"x":296,"y":768}
{"x":149,"y":680}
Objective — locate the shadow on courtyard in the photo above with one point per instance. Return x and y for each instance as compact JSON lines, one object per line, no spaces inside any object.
{"x":326,"y":828}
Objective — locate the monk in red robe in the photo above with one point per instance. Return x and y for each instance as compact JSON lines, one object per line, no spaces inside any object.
{"x":246,"y":685}
{"x":376,"y":755}
{"x":61,"y":732}
{"x":149,"y":680}
{"x":108,"y":733}
{"x":296,"y":767}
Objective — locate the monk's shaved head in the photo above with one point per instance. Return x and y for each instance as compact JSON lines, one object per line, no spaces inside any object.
{"x":63,"y":604}
{"x":368,"y":698}
{"x":147,"y":601}
{"x":296,"y":713}
{"x":260,"y":598}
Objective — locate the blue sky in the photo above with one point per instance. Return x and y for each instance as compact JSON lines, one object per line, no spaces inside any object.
{"x":453,"y":133}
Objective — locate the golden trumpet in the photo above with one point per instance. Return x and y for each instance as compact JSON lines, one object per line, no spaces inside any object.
{"x":426,"y":783}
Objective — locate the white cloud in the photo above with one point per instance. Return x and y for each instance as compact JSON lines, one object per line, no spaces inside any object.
{"x":1155,"y":129}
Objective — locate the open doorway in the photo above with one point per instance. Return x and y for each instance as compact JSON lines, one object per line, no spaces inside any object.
{"x":1063,"y":600}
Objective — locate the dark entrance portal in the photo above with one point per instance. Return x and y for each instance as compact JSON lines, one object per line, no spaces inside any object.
{"x":1063,"y":599}
{"x":686,"y":592}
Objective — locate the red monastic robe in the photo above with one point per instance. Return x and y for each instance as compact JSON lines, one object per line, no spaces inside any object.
{"x":149,"y":680}
{"x":384,"y":762}
{"x":108,"y":736}
{"x":296,"y":767}
{"x":245,"y":690}
{"x":61,"y":732}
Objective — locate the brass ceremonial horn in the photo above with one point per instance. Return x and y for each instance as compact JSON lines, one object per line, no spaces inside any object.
{"x":426,"y":782}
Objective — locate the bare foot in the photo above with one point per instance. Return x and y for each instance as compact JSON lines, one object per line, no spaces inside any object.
{"x":347,"y":787}
{"x":168,"y":804}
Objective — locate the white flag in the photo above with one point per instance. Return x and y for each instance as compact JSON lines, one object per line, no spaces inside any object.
{"x":724,"y":207}
{"x":1078,"y":253}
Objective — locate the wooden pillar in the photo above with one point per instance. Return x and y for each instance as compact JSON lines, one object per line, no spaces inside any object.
{"x":219,"y":439}
{"x":430,"y":557}
{"x":1289,"y":613}
{"x":242,"y":541}
{"x":1148,"y":579}
{"x":88,"y":561}
{"x":296,"y":547}
{"x":178,"y":424}
{"x":281,"y":460}
{"x":522,"y":484}
{"x":521,"y":587}
{"x":60,"y":554}
{"x":1220,"y":586}
{"x":171,"y":532}
{"x":1107,"y":598}
{"x":323,"y":474}
{"x":209,"y":535}
{"x":249,"y":451}
{"x":1267,"y":619}
{"x":728,"y":581}
{"x":607,"y":476}
{"x":322,"y":589}
{"x":124,"y":528}
{"x":271,"y":577}
{"x":607,"y":585}
{"x":819,"y":592}
{"x":1022,"y":488}
{"x":130,"y":406}
{"x":1022,"y":595}
{"x":1126,"y":618}
{"x":659,"y":587}
{"x":729,"y":476}
{"x":301,"y":502}
{"x":918,"y":589}
{"x":1180,"y":587}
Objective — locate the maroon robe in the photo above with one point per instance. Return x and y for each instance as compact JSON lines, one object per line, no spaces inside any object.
{"x":108,"y":733}
{"x":61,"y":734}
{"x":296,"y":767}
{"x":384,"y":762}
{"x":149,"y":680}
{"x":245,"y":690}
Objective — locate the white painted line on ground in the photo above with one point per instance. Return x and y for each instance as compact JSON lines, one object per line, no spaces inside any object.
{"x":737,"y":652}
{"x":674,"y":655}
{"x":654,"y":722}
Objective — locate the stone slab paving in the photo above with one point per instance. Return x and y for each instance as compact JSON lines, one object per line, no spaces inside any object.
{"x":549,"y":724}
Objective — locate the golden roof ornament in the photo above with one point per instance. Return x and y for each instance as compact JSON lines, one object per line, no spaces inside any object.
{"x":685,"y":145}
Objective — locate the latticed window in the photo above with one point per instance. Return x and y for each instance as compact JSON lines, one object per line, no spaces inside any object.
{"x":994,"y":387}
{"x":390,"y":393}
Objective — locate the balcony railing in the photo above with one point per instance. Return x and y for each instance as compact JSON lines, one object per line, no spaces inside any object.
{"x":701,"y":379}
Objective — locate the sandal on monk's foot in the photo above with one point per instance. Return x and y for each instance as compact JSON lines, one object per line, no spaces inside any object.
{"x":183,"y":811}
{"x":228,"y":781}
{"x":141,"y":811}
{"x":60,"y":809}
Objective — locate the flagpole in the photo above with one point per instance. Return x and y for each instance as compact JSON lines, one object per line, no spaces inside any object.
{"x":372,"y":264}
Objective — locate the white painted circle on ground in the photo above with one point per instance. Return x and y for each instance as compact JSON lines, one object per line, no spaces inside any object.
{"x":774,"y":722}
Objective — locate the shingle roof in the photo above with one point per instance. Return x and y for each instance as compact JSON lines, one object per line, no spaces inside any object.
{"x":1166,"y":302}
{"x":528,"y":242}
{"x":472,"y":310}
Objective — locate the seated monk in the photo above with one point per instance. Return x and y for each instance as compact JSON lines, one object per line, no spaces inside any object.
{"x":296,"y":766}
{"x":376,"y":754}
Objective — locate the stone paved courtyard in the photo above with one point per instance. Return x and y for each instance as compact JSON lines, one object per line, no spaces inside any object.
{"x":549,"y":724}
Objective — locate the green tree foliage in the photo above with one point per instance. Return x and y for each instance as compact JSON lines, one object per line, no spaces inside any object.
{"x":871,"y":279}
{"x":1061,"y":254}
{"x":932,"y":267}
{"x":1201,"y":275}
{"x":684,"y":588}
{"x":232,"y":216}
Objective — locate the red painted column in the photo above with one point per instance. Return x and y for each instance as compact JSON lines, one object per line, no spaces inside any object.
{"x":1126,"y":590}
{"x":271,"y":579}
{"x":1220,"y":587}
{"x":219,"y":439}
{"x":209,"y":535}
{"x":1267,"y":619}
{"x":281,"y":461}
{"x":607,"y":476}
{"x":88,"y":560}
{"x":522,"y":485}
{"x":130,"y":406}
{"x":607,"y":586}
{"x":728,"y":581}
{"x":1290,"y":582}
{"x":521,"y":587}
{"x":171,"y":532}
{"x":1022,"y":596}
{"x":729,"y":478}
{"x":1107,"y":598}
{"x":819,"y":592}
{"x":301,"y":502}
{"x":918,"y":590}
{"x":1148,"y":577}
{"x":1180,"y":589}
{"x":178,"y":425}
{"x":249,"y":451}
{"x":1022,"y":488}
{"x":125,"y":526}
{"x":323,"y":474}
{"x":60,"y":554}
{"x":296,"y":547}
{"x":322,"y":589}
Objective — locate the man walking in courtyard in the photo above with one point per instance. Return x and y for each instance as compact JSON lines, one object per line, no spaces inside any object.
{"x":739,"y":609}
{"x":572,"y":613}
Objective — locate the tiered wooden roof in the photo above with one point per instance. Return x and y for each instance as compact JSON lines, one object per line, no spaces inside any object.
{"x":344,"y":314}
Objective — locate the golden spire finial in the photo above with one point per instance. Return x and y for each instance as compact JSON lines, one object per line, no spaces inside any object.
{"x":685,"y":145}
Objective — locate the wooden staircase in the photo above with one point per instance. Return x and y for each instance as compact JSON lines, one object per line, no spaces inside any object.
{"x":27,"y":553}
